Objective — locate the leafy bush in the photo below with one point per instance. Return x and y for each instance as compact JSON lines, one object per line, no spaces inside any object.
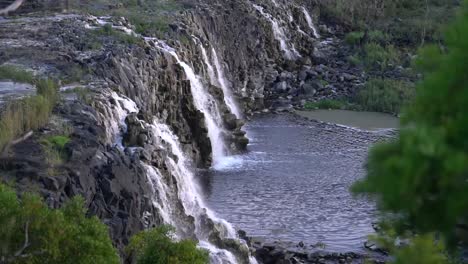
{"x":421,"y":177}
{"x":30,"y":232}
{"x":9,"y":72}
{"x":384,"y":95}
{"x":155,"y":246}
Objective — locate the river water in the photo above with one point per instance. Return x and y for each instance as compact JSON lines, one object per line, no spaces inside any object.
{"x":293,"y":183}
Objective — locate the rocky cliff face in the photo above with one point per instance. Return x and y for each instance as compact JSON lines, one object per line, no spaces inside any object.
{"x":154,"y":109}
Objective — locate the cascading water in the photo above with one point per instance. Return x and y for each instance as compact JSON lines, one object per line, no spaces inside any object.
{"x":205,"y":103}
{"x":290,"y":52}
{"x":116,"y":113}
{"x":189,"y":195}
{"x":228,"y":96}
{"x":177,"y":198}
{"x":310,"y":22}
{"x":218,"y":78}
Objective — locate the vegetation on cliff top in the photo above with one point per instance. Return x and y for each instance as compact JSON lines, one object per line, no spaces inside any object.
{"x":421,"y":177}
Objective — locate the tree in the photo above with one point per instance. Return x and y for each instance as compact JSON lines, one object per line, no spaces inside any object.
{"x":30,"y":232}
{"x":155,"y":246}
{"x":421,"y":178}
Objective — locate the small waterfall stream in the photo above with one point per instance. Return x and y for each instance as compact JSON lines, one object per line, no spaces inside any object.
{"x":289,"y":50}
{"x":189,"y":195}
{"x":204,"y":102}
{"x":310,"y":22}
{"x":218,"y":79}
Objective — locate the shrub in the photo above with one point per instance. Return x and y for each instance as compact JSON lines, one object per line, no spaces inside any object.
{"x":54,"y":148}
{"x":354,"y":60}
{"x":30,"y":232}
{"x":377,"y":56}
{"x":379,"y":37}
{"x":155,"y":246}
{"x":354,"y":38}
{"x":9,"y":72}
{"x":384,"y":95}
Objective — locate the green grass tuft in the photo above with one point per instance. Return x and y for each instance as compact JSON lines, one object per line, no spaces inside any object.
{"x":13,"y":73}
{"x":385,"y":95}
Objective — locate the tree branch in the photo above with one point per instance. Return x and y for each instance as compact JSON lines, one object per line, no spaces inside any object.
{"x":26,"y":240}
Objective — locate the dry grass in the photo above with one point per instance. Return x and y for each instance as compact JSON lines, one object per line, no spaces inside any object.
{"x":30,"y":113}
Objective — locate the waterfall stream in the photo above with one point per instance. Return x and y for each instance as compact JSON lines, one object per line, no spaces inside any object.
{"x":218,"y":79}
{"x":178,"y":197}
{"x":310,"y":22}
{"x":205,"y":103}
{"x":289,"y":50}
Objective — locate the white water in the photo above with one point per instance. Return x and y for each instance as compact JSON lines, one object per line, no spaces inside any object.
{"x":218,"y":79}
{"x":228,"y":96}
{"x":211,"y":72}
{"x":116,"y":115}
{"x":168,"y":193}
{"x":310,"y":22}
{"x":280,"y":35}
{"x":205,"y":103}
{"x":189,"y":194}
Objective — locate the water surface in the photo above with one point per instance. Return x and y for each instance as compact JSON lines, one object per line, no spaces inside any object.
{"x":293,"y":184}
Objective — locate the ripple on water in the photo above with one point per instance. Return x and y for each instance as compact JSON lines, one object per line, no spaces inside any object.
{"x":293,"y":184}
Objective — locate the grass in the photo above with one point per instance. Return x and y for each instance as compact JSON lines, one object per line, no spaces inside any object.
{"x":378,"y":95}
{"x":82,"y":94}
{"x":119,"y":36}
{"x":149,"y":17}
{"x":385,"y":95}
{"x":57,"y":142}
{"x":26,"y":114}
{"x":54,"y":148}
{"x":16,"y":74}
{"x":354,"y":37}
{"x":331,"y":104}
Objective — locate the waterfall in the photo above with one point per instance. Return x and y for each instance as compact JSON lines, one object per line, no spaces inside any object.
{"x":204,"y":102}
{"x":228,"y":96}
{"x":219,"y":79}
{"x":211,"y":72}
{"x":177,"y":197}
{"x":279,"y":34}
{"x":115,"y":112}
{"x":188,"y":193}
{"x":310,"y":22}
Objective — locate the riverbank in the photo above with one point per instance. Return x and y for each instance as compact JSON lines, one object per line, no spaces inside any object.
{"x":371,"y":121}
{"x":282,"y":252}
